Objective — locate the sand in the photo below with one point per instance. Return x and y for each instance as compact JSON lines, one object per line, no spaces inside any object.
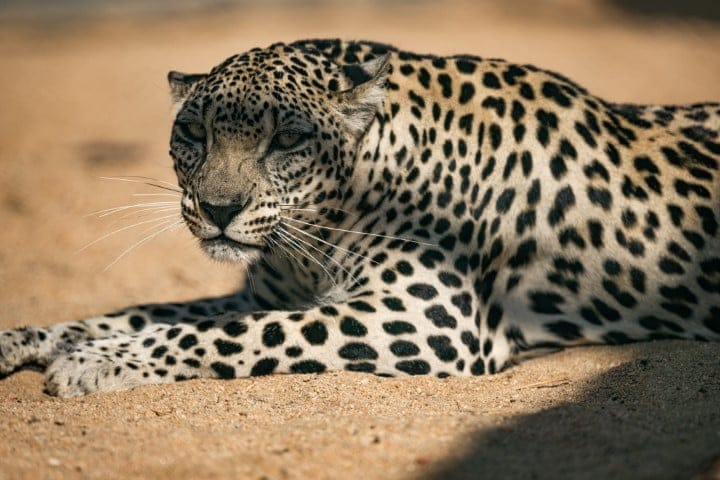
{"x":87,"y":98}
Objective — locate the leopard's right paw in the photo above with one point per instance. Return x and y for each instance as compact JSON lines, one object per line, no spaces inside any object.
{"x":24,"y":346}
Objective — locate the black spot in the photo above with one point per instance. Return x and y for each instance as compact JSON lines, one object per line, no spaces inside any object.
{"x":671,"y":267}
{"x":709,"y":224}
{"x":293,"y":351}
{"x":449,"y":279}
{"x":137,"y":322}
{"x":465,"y":66}
{"x":467,"y":91}
{"x":223,"y":370}
{"x":463,"y":302}
{"x":524,"y":253}
{"x":546,"y":302}
{"x":590,"y":315}
{"x":404,"y":268}
{"x":505,"y":200}
{"x":172,"y":333}
{"x":494,"y":316}
{"x":558,"y":167}
{"x":600,"y":196}
{"x":307,"y":366}
{"x":596,"y":233}
{"x":424,"y":77}
{"x":525,"y":221}
{"x":329,"y":310}
{"x":351,"y":327}
{"x":361,"y":306}
{"x":225,"y":348}
{"x":612,"y":267}
{"x":158,"y":352}
{"x":357,"y":351}
{"x":235,"y":328}
{"x":478,"y":367}
{"x":264,"y":366}
{"x":423,"y":291}
{"x":552,"y":91}
{"x":403,"y":348}
{"x":564,"y":200}
{"x":366,"y":367}
{"x":442,"y":346}
{"x":586,"y":135}
{"x":606,"y":310}
{"x":490,"y":80}
{"x":398,"y":327}
{"x":564,"y":330}
{"x":273,"y":334}
{"x":413,"y":367}
{"x":394,"y":303}
{"x":440,"y":317}
{"x":446,"y":84}
{"x":315,"y":333}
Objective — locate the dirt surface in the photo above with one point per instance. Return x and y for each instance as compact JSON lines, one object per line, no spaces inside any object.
{"x":86,"y":99}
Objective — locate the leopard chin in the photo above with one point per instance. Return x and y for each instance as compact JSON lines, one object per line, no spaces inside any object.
{"x":224,"y":249}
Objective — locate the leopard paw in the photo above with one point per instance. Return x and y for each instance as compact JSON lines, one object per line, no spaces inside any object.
{"x":24,"y":346}
{"x":84,"y":372}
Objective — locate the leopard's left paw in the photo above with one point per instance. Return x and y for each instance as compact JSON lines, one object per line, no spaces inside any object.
{"x":81,"y":373}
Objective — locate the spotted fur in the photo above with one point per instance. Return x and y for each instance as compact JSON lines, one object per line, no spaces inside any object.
{"x":412,"y":214}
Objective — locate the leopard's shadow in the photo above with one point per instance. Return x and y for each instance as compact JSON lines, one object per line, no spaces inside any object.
{"x":639,"y":420}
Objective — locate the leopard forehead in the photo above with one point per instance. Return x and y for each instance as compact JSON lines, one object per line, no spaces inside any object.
{"x":290,"y":81}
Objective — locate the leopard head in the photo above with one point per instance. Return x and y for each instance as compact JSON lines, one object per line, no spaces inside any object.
{"x":264,"y":132}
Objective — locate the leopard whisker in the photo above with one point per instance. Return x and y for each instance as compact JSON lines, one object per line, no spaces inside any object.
{"x":109,"y":211}
{"x":168,"y":225}
{"x":171,"y":188}
{"x":143,"y":212}
{"x":127,"y":227}
{"x":332,"y":245}
{"x":156,"y":195}
{"x":292,"y":242}
{"x":324,"y":254}
{"x":390,"y":237}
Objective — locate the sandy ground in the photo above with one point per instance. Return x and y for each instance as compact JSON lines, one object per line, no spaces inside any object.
{"x":81,"y":100}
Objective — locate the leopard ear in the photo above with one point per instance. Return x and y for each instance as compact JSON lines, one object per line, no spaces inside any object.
{"x":362,"y":101}
{"x":180,"y":86}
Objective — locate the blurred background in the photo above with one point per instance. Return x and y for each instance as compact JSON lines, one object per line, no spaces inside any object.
{"x":83,"y":96}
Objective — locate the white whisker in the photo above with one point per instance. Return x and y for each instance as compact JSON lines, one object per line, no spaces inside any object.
{"x":156,"y":195}
{"x":153,"y":183}
{"x":146,"y":239}
{"x":143,"y":212}
{"x":390,"y":237}
{"x":145,"y":222}
{"x":329,"y":257}
{"x":316,"y":238}
{"x":292,"y":242}
{"x":111,"y":210}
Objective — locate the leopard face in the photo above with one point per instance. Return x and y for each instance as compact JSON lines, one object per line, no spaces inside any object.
{"x":264,"y":133}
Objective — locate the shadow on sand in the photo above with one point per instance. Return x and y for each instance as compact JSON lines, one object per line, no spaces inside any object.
{"x":641,"y":419}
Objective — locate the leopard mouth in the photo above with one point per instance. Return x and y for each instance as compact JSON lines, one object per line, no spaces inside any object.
{"x":224,"y":248}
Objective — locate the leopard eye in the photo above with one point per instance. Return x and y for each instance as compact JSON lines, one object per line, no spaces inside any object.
{"x":193,"y":131}
{"x":287,"y":140}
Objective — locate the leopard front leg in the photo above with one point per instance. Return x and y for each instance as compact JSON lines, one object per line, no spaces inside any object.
{"x":367,"y":335}
{"x":39,"y":346}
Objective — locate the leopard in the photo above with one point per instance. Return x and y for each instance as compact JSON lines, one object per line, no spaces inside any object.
{"x":409,"y":214}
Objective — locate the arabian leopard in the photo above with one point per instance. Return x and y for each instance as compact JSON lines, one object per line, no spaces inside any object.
{"x":407,"y":214}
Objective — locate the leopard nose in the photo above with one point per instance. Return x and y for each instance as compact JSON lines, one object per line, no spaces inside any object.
{"x":222,"y":215}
